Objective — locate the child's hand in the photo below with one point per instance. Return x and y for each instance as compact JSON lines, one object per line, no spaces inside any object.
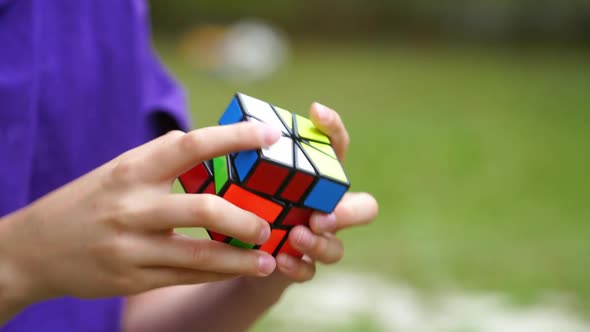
{"x":318,"y":243}
{"x":110,"y":232}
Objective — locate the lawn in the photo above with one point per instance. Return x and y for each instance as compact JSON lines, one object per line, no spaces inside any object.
{"x":479,"y":158}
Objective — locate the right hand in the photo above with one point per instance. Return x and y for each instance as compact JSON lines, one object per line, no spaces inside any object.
{"x":110,"y":232}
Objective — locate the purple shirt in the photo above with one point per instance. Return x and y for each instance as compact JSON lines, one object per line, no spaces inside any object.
{"x":79,"y":84}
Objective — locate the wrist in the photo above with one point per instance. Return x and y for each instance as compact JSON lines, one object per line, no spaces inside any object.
{"x":12,"y":300}
{"x":15,"y":287}
{"x":269,"y":289}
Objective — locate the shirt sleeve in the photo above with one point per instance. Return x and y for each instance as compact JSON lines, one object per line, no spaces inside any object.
{"x":165,"y":100}
{"x":4,"y":2}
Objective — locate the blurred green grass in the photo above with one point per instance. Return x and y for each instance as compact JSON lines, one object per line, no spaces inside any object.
{"x":479,"y":158}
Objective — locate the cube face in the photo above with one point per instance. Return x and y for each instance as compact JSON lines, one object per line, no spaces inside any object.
{"x":282,"y":184}
{"x":303,"y":150}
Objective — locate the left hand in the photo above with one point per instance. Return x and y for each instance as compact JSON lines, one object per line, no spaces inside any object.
{"x":318,"y":242}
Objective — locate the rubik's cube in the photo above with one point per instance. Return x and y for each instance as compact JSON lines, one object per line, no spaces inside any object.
{"x":282,"y":184}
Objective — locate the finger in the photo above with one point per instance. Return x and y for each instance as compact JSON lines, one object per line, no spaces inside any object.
{"x":295,"y":269}
{"x":157,"y":277}
{"x":203,"y":210}
{"x":326,"y":248}
{"x":125,"y":167}
{"x":205,"y":255}
{"x":184,"y":152}
{"x":153,"y":145}
{"x":329,"y":121}
{"x":354,"y":209}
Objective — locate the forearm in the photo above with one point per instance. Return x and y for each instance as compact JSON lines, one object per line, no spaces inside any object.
{"x":232,"y":305}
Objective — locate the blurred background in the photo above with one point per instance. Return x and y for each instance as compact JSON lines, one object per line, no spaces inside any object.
{"x":470,"y":123}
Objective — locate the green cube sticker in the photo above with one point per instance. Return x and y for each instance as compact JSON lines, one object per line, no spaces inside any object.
{"x":220,"y":173}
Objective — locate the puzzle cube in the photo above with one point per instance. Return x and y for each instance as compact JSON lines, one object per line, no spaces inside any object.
{"x":282,"y":184}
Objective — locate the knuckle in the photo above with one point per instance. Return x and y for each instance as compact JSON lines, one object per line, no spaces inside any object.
{"x":115,"y":223}
{"x":255,"y":227}
{"x":103,"y":250}
{"x":120,"y":246}
{"x":192,"y":141}
{"x":111,"y":254}
{"x":174,"y":134}
{"x":200,"y":254}
{"x":124,"y":172}
{"x":207,"y":210}
{"x":125,"y":155}
{"x":120,"y":215}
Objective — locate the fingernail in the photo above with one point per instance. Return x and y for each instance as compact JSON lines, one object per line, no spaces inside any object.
{"x":270,"y":134}
{"x":322,"y":112}
{"x":288,"y":263}
{"x":306,"y":239}
{"x":266,"y":264}
{"x":326,"y":222}
{"x":264,"y":235}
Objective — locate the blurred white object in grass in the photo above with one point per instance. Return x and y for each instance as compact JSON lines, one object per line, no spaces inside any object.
{"x":248,"y":50}
{"x":252,"y":50}
{"x":351,"y":302}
